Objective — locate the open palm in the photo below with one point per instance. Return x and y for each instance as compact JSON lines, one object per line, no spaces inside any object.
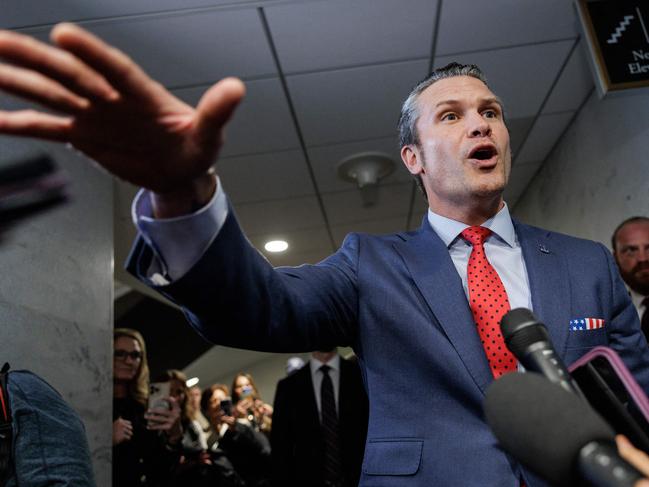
{"x":109,"y":109}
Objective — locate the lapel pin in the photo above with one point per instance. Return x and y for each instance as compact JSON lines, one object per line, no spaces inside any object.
{"x":544,"y":249}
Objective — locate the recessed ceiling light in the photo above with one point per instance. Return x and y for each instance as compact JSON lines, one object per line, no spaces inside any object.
{"x":276,"y":246}
{"x":192,"y":382}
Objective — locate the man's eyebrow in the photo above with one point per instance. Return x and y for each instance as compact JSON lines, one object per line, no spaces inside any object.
{"x":494,"y":100}
{"x":483,"y":101}
{"x":447,"y":102}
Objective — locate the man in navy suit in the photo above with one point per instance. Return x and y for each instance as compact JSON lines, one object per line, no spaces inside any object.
{"x":297,"y":438}
{"x":407,"y":303}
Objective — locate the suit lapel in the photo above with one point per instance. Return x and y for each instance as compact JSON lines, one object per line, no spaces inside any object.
{"x":343,"y":387}
{"x":432,"y":269}
{"x":549,"y":282}
{"x":347,"y":392}
{"x":307,"y":397}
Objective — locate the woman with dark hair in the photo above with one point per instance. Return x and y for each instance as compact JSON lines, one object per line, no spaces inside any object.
{"x":145,"y":441}
{"x":249,"y":407}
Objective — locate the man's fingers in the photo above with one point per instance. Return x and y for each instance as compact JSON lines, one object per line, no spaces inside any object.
{"x":122,"y":73}
{"x":36,"y":87}
{"x":30,"y":123}
{"x":54,"y":63}
{"x":216,"y":107}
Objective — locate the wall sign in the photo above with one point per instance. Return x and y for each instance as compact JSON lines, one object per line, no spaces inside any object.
{"x":617,"y":35}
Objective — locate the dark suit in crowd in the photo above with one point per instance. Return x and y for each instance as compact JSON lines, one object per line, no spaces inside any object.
{"x":296,"y":436}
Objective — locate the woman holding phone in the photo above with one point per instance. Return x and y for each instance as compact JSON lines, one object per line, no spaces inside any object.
{"x":145,"y":441}
{"x":249,"y":407}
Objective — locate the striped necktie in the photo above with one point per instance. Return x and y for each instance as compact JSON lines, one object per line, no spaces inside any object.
{"x":330,"y":429}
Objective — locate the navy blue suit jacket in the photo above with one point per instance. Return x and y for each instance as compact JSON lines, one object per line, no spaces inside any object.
{"x":398,"y":301}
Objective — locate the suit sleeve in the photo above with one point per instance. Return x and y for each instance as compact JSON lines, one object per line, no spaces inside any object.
{"x":626,"y":336}
{"x":234,"y":297}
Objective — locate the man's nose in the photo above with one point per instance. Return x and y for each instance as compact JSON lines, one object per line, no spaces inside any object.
{"x":477,"y":126}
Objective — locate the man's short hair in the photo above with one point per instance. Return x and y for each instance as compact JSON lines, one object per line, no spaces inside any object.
{"x":407,"y":125}
{"x":633,"y":219}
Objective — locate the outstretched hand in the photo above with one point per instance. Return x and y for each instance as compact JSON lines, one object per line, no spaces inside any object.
{"x":109,"y":109}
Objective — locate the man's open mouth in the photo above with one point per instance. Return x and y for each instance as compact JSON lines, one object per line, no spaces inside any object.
{"x":483,"y":152}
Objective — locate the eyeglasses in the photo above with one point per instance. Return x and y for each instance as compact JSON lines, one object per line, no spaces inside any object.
{"x":122,"y":354}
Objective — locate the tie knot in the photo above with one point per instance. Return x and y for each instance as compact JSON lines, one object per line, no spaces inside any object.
{"x":325,"y":369}
{"x":476,"y":235}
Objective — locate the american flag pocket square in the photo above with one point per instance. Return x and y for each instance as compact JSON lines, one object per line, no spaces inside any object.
{"x":582,"y":324}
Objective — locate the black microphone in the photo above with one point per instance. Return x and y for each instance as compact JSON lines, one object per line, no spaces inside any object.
{"x":555,"y":433}
{"x":529,"y":341}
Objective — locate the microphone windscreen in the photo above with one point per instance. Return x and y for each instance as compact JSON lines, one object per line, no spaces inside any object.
{"x":521,"y":329}
{"x":514,"y":319}
{"x":542,"y":425}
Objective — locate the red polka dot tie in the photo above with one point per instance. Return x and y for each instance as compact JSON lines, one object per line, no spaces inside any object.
{"x":488,"y":301}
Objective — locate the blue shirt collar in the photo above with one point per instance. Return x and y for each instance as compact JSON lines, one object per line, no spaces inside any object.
{"x":448,"y":230}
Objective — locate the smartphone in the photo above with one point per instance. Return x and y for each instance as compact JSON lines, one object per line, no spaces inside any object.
{"x":159,"y":395}
{"x":226,"y":406}
{"x":246,"y":391}
{"x":614,"y":394}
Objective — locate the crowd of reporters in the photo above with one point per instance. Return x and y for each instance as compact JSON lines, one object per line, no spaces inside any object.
{"x":216,"y":437}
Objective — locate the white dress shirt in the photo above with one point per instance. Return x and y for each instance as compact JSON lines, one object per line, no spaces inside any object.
{"x":317,"y":375}
{"x":502,"y":248}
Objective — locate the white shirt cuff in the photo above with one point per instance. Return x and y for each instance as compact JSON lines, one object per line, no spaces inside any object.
{"x":178,"y":243}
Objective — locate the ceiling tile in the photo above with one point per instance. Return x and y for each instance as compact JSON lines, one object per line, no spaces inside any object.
{"x":350,"y":104}
{"x":574,"y":85}
{"x":520,"y":76}
{"x":325,"y":159}
{"x":520,"y":178}
{"x":20,"y":13}
{"x":471,"y":25}
{"x":545,"y":133}
{"x":279,"y":216}
{"x":342,"y":33}
{"x":193,"y":48}
{"x":347,"y":207}
{"x":276,"y":175}
{"x":374,"y":227}
{"x":262,"y":123}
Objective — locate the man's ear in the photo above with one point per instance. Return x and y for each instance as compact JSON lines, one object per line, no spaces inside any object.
{"x":412,"y":159}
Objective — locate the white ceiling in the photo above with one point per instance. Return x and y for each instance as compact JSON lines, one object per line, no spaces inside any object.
{"x":326,"y":79}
